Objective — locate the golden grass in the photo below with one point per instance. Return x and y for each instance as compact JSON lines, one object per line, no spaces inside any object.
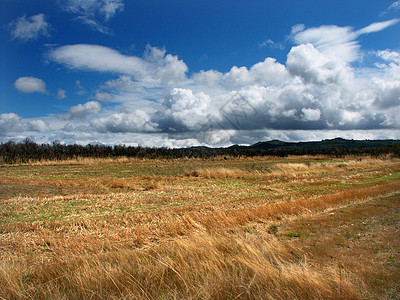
{"x":82,"y":161}
{"x":89,"y":161}
{"x":289,"y":170}
{"x":216,"y":173}
{"x":201,"y":266}
{"x":361,"y":238}
{"x":202,"y":234}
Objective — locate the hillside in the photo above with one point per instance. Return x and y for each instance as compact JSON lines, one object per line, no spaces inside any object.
{"x":338,"y":143}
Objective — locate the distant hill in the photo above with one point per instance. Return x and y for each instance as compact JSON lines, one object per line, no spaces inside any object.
{"x":338,"y":143}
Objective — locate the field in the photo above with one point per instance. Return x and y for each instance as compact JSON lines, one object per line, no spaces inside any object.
{"x":224,"y":228}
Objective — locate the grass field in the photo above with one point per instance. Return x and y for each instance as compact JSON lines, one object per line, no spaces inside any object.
{"x":248,"y":228}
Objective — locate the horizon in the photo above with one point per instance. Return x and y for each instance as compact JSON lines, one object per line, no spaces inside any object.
{"x":185,"y":74}
{"x":94,"y":143}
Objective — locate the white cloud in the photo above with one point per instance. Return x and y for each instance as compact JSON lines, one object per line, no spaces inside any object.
{"x":378,"y":26}
{"x":81,"y":111}
{"x":111,"y":7}
{"x":395,"y":5}
{"x":335,"y":40}
{"x":30,"y":85}
{"x":156,"y":68}
{"x":103,"y":97}
{"x":78,"y":84}
{"x":90,"y":8}
{"x":38,"y":125}
{"x":313,"y":66}
{"x":124,"y":82}
{"x":9,"y":123}
{"x":184,"y":110}
{"x":297,"y":28}
{"x":314,"y":90}
{"x":238,"y":76}
{"x":95,"y":12}
{"x":61,"y":94}
{"x":95,"y":25}
{"x":138,"y":121}
{"x":271,"y":44}
{"x":25,"y":29}
{"x":209,"y":78}
{"x":390,"y":56}
{"x":310,"y":114}
{"x":81,"y":90}
{"x":387,"y":93}
{"x":267,"y":72}
{"x":317,"y":93}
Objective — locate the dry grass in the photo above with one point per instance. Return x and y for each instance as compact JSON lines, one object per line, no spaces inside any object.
{"x":151,"y":230}
{"x":217,"y":173}
{"x":286,"y":169}
{"x":361,"y":238}
{"x":201,"y":266}
{"x":83,"y":161}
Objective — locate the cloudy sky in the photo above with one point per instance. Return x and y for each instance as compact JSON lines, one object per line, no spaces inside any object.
{"x":183,"y":73}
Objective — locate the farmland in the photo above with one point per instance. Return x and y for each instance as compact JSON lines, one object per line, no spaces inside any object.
{"x":224,"y":228}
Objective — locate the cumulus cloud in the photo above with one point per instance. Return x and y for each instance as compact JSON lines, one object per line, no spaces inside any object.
{"x":268,"y":72}
{"x":313,"y":66}
{"x":138,"y":121}
{"x":209,"y":78}
{"x":387,"y":93}
{"x":10,"y":123}
{"x":317,"y":93}
{"x":81,"y":111}
{"x":310,"y":114}
{"x":314,"y":90}
{"x":38,"y":125}
{"x":30,"y":85}
{"x":95,"y":13}
{"x":25,"y":29}
{"x":339,"y":41}
{"x":183,"y":110}
{"x":390,"y":56}
{"x":156,"y":68}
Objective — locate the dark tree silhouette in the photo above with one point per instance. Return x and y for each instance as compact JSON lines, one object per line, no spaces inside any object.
{"x":11,"y":152}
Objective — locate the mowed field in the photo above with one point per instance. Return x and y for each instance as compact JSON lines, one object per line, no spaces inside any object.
{"x":227,"y":228}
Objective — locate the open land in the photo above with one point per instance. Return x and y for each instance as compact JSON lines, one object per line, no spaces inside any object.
{"x":310,"y":227}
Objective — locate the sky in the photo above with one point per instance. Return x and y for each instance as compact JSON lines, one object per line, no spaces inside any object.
{"x":187,"y":73}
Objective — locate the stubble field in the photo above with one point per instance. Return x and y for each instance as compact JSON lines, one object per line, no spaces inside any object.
{"x":227,"y":228}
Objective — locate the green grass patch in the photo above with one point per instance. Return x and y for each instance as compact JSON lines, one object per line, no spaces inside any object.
{"x":293,"y":234}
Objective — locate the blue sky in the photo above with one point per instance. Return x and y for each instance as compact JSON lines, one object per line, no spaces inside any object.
{"x":183,"y":73}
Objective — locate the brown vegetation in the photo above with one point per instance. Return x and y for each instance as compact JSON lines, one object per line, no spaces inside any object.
{"x":245,"y":229}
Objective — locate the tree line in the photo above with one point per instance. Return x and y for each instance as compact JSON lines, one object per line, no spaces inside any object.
{"x":26,"y":151}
